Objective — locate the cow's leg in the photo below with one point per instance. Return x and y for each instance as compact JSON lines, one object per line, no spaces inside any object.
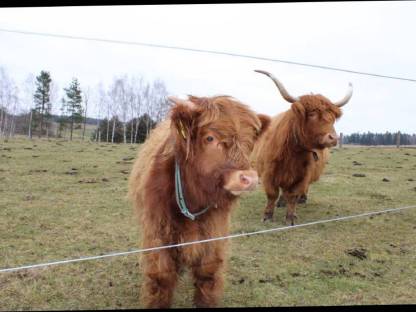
{"x":293,"y":196}
{"x":282,"y":202}
{"x":291,"y":200}
{"x":304,"y":196}
{"x":209,"y":281}
{"x":272,"y":196}
{"x":160,"y":277}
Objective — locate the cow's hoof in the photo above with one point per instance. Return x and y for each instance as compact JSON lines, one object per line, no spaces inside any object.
{"x":290,"y":219}
{"x":268,"y":217}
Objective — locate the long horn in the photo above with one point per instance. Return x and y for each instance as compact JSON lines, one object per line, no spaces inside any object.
{"x":346,"y":97}
{"x":279,"y":85}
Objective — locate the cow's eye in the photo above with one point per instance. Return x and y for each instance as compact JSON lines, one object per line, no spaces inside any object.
{"x":312,"y":115}
{"x":210,"y":138}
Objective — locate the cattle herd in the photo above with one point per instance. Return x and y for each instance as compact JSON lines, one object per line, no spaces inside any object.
{"x":191,"y":170}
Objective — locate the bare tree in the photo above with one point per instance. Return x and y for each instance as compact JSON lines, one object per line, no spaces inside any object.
{"x":9,"y":101}
{"x":156,"y":103}
{"x":131,"y":95}
{"x":114,"y":104}
{"x":86,"y":94}
{"x":134,"y":98}
{"x":4,"y":105}
{"x":3,"y":77}
{"x":29,"y":91}
{"x":14,"y":104}
{"x":147,"y":109}
{"x":159,"y":100}
{"x":100,"y":104}
{"x":123,"y":104}
{"x":108,"y":115}
{"x":138,"y":101}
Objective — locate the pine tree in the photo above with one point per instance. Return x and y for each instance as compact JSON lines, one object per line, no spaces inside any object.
{"x":43,"y":106}
{"x":73,"y":104}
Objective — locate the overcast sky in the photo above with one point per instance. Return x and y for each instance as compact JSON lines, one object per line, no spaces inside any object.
{"x":375,"y":37}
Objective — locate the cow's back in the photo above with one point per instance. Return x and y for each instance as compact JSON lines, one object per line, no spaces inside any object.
{"x":264,"y":148}
{"x":155,"y":144}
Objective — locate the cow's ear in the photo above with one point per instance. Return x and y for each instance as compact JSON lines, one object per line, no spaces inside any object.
{"x":299,"y":110}
{"x":183,"y":120}
{"x":265,"y":123}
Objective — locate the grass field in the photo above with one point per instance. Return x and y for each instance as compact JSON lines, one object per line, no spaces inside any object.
{"x":63,"y":200}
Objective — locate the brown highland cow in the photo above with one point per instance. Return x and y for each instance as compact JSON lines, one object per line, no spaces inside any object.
{"x":317,"y":169}
{"x":291,"y":153}
{"x":187,"y":176}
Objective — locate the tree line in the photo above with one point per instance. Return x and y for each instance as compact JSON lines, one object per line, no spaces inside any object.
{"x":126,"y":110}
{"x":387,"y":138}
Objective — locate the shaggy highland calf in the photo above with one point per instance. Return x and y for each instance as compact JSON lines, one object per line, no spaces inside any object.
{"x":187,"y":177}
{"x":288,"y":154}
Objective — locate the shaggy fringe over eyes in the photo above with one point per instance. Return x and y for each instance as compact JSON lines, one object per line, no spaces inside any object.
{"x":210,"y":112}
{"x":219,"y":105}
{"x":320,"y":103}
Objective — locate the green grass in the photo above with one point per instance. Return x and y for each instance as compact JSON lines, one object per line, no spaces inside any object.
{"x":52,"y":215}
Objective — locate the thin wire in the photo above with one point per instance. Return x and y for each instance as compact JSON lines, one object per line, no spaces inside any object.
{"x":204,"y":51}
{"x":203,"y":241}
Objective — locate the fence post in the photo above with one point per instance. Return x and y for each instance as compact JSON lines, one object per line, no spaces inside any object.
{"x":340,"y":139}
{"x":398,"y":140}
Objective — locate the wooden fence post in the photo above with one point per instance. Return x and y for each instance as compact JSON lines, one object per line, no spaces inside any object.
{"x":340,"y":139}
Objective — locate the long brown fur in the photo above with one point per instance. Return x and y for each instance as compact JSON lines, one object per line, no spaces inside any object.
{"x":151,"y":189}
{"x":283,"y":156}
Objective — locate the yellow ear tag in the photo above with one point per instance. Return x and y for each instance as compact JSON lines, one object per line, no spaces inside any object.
{"x":182,"y":129}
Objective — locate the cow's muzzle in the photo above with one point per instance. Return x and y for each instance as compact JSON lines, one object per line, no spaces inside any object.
{"x":330,"y":139}
{"x":240,"y":181}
